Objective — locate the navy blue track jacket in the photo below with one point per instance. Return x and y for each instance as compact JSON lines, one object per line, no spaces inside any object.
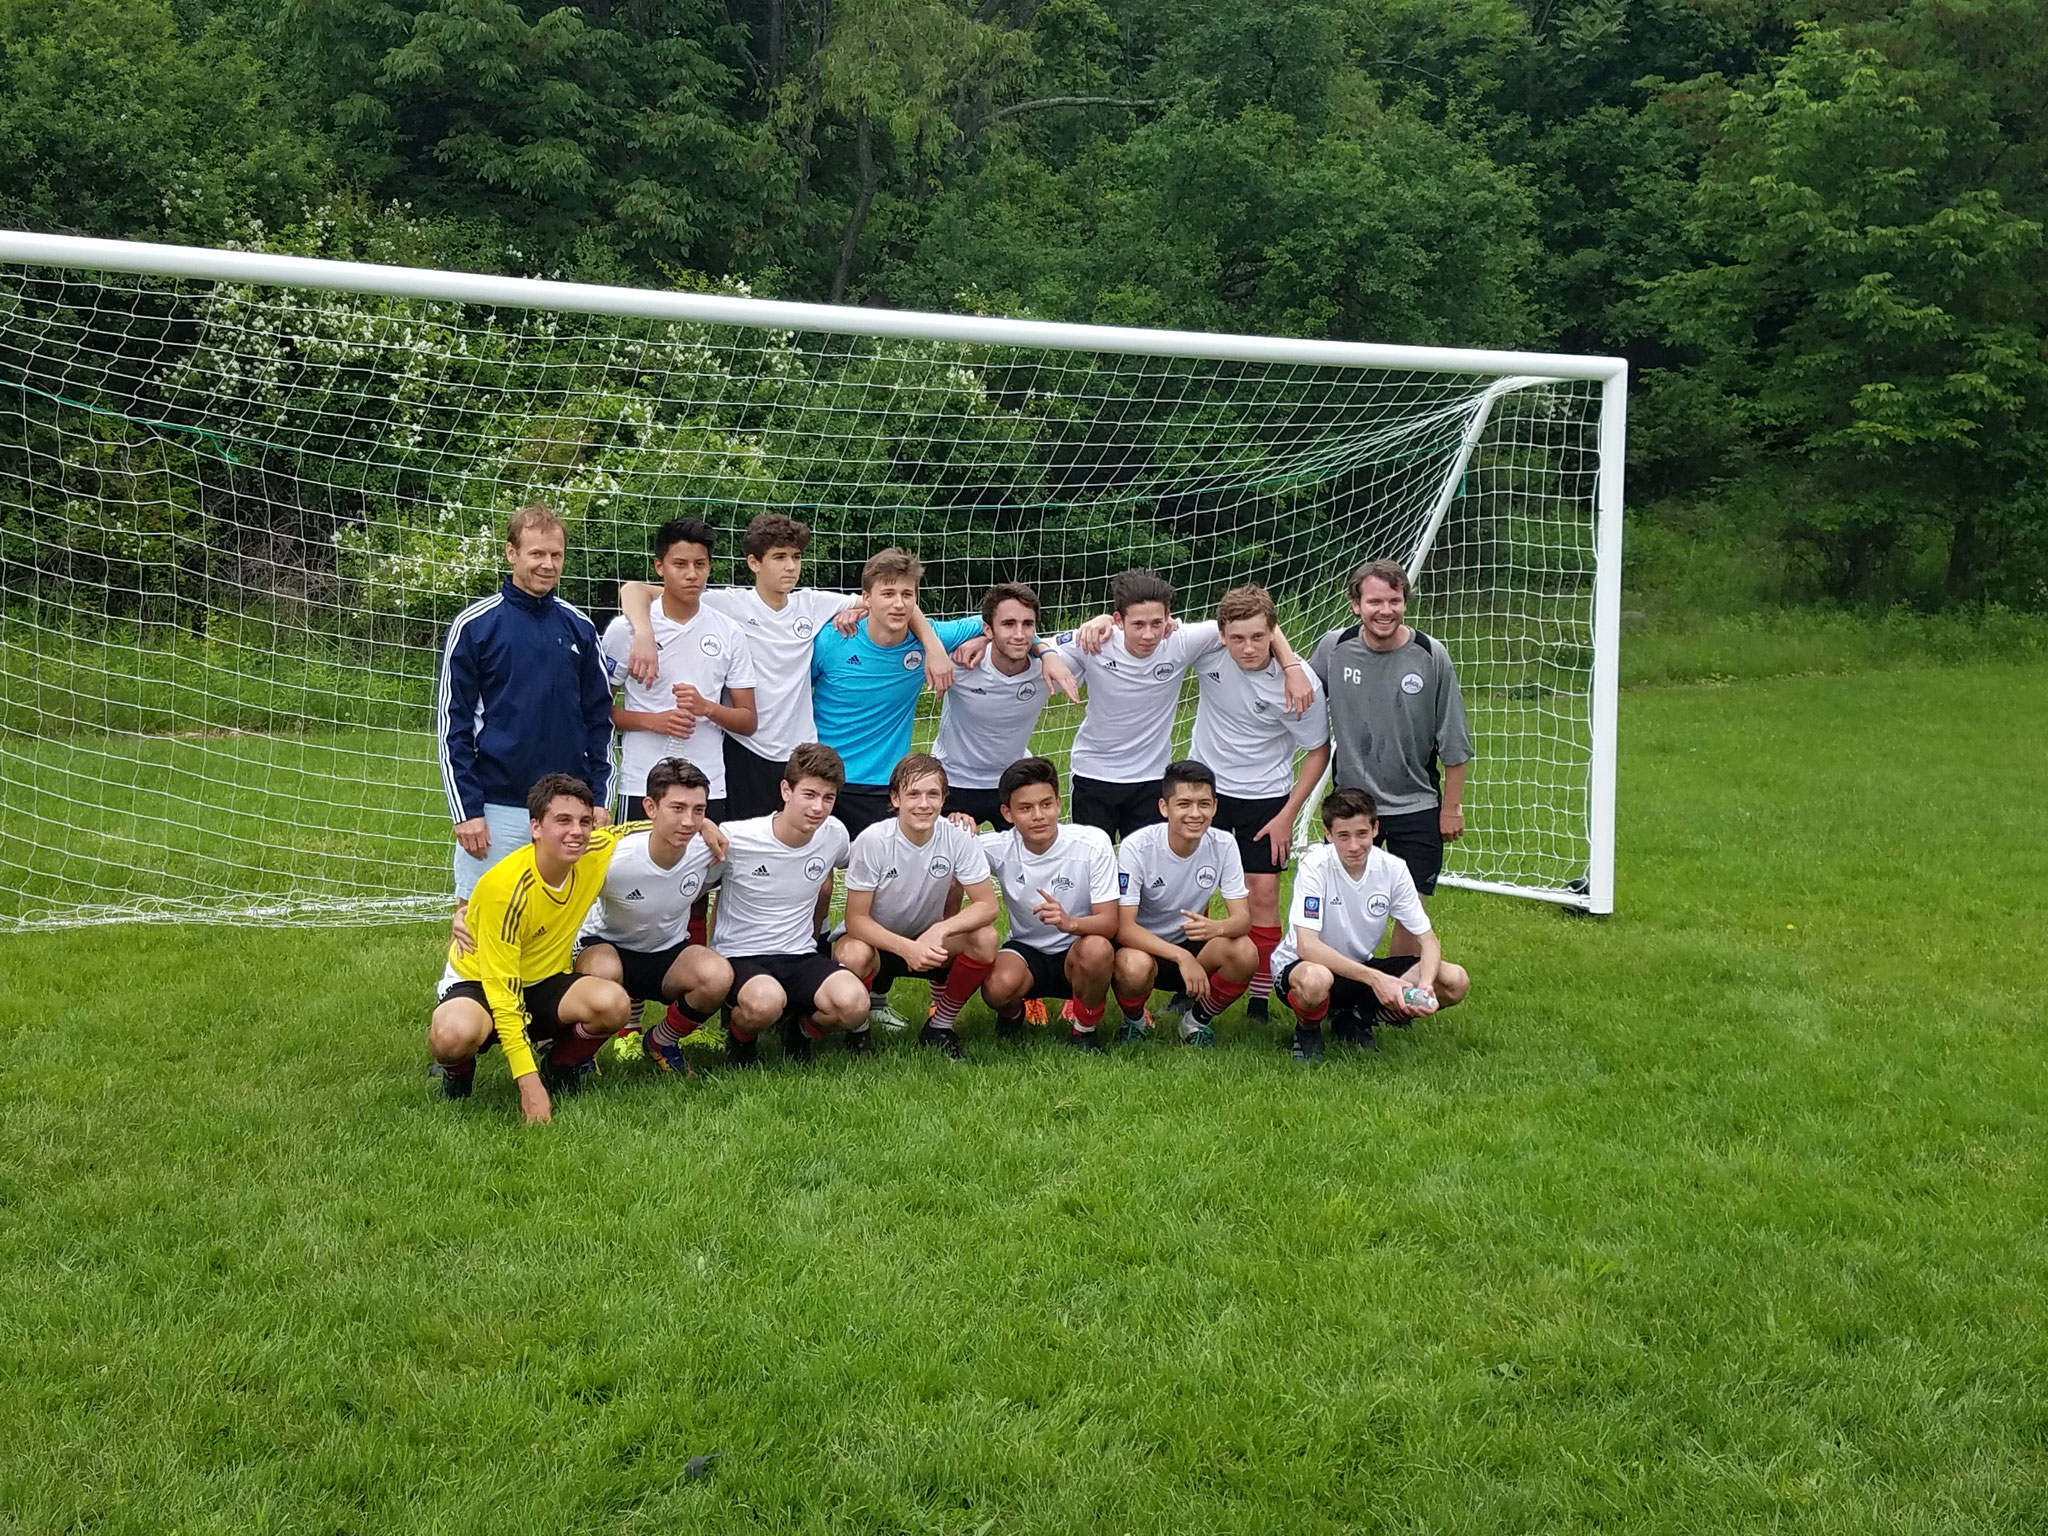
{"x":523,"y":693}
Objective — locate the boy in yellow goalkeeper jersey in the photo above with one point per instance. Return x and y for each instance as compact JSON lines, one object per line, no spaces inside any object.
{"x":511,"y":980}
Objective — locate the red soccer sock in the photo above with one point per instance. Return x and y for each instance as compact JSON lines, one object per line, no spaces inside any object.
{"x":1265,"y":941}
{"x":811,"y":1030}
{"x":1132,"y":1006}
{"x":696,"y":927}
{"x":1309,"y":1017}
{"x":963,"y":980}
{"x":577,"y":1049}
{"x":1084,"y":1017}
{"x":1222,"y":993}
{"x":680,"y":1020}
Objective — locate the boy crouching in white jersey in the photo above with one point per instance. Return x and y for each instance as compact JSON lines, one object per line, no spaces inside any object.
{"x":1166,"y":874}
{"x":1343,"y":898}
{"x":638,"y":934}
{"x":776,"y":869}
{"x":899,"y":885}
{"x":1059,"y":884}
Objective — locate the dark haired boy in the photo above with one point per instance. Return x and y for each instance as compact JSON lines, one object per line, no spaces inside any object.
{"x":513,"y":979}
{"x":1059,"y":886}
{"x":776,"y":870}
{"x":1132,"y":660}
{"x":900,"y":919}
{"x":703,"y":688}
{"x":993,"y":706}
{"x":640,"y":931}
{"x":782,"y":621}
{"x":1346,"y":893}
{"x":1166,"y":876}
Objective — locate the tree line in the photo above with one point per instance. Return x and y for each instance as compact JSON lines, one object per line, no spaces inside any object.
{"x":1813,"y":226}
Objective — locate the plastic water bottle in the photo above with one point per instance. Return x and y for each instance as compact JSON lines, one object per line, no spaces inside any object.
{"x":1418,"y":999}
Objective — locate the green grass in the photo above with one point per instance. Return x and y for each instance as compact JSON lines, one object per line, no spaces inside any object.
{"x":1721,"y":1215}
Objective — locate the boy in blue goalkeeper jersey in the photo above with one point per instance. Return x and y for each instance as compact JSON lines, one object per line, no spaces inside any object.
{"x":864,"y":685}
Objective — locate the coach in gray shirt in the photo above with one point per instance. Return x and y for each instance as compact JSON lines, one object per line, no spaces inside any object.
{"x":1397,"y":721}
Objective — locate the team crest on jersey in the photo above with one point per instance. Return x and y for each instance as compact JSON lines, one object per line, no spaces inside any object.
{"x":939,"y":868}
{"x":690,"y":885}
{"x":803,"y":629}
{"x":1205,"y":877}
{"x":1412,"y":683}
{"x":1376,"y":905}
{"x":1028,"y":691}
{"x":912,"y":662}
{"x":814,"y":868}
{"x":709,"y":645}
{"x":1312,"y":906}
{"x":1061,"y":882}
{"x":1163,"y":670}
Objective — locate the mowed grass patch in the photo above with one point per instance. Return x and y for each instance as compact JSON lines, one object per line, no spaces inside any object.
{"x":1724,"y":1213}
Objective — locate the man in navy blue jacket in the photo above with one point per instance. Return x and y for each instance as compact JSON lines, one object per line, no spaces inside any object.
{"x":523,"y":693}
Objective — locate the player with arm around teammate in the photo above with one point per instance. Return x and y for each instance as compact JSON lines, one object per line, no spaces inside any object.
{"x":639,"y":931}
{"x":1345,"y":894}
{"x":1165,"y":877}
{"x":1005,"y":678}
{"x":1059,"y":885}
{"x":900,"y":880}
{"x":776,"y":869}
{"x":1246,"y":731}
{"x":514,"y":983}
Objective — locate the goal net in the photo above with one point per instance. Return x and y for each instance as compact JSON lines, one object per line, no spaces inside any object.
{"x":242,"y":495}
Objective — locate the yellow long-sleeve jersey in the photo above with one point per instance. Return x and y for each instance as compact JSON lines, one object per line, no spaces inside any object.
{"x":525,"y":931}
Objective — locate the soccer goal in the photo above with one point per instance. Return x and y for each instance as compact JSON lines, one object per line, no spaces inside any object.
{"x":243,"y":494}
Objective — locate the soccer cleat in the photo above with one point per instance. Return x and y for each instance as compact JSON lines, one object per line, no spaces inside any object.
{"x":1009,"y":1029}
{"x":1256,"y":1010}
{"x":566,"y":1082}
{"x":1132,"y":1031}
{"x":947,"y":1041}
{"x":860,"y":1042}
{"x":1034,"y":1013}
{"x":1201,"y":1036}
{"x":669,"y":1058}
{"x":1308,"y":1043}
{"x":741,"y":1050}
{"x":454,"y":1085}
{"x":1176,"y":1009}
{"x":886,"y":1017}
{"x":1085,"y":1039}
{"x":796,"y":1045}
{"x":1353,"y":1026}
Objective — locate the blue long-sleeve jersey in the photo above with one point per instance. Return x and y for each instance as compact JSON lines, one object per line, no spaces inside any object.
{"x":523,"y":693}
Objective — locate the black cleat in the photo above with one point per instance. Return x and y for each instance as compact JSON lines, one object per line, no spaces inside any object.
{"x":796,"y":1045}
{"x":946,"y":1040}
{"x":1085,"y":1039}
{"x":1256,"y":1009}
{"x":741,"y":1050}
{"x":860,"y":1042}
{"x":1308,"y":1043}
{"x":454,"y":1085}
{"x":565,"y":1082}
{"x":1353,"y":1026}
{"x":1009,"y":1029}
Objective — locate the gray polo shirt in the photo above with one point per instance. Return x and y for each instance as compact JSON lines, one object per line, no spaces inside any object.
{"x":1395,"y":716}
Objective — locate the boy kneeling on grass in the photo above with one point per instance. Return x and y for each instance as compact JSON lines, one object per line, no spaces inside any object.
{"x":1343,"y":898}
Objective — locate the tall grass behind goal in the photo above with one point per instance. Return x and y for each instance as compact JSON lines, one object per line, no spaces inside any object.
{"x":244,"y":494}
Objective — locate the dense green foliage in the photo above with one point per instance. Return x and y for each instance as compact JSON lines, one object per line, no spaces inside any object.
{"x":1815,"y":226}
{"x":1710,"y":1217}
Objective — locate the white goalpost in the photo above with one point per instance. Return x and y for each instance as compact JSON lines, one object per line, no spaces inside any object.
{"x":242,"y":494}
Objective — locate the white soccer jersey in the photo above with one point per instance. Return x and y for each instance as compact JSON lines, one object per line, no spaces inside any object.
{"x":1126,"y":734}
{"x":910,"y":882}
{"x":1077,"y":871}
{"x":767,"y":904}
{"x":1244,"y":732}
{"x":711,"y":654}
{"x":1351,"y":915}
{"x":1162,"y":885}
{"x":645,"y":907}
{"x":986,"y":721}
{"x":780,"y":640}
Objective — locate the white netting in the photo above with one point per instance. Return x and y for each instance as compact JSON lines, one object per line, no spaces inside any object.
{"x":238,"y":518}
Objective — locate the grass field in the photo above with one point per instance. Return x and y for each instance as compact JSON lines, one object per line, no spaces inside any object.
{"x":1721,"y":1215}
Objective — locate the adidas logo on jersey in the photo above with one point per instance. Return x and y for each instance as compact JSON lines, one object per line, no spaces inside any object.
{"x":1214,"y":677}
{"x":1158,"y":883}
{"x":634,"y":894}
{"x":760,"y":869}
